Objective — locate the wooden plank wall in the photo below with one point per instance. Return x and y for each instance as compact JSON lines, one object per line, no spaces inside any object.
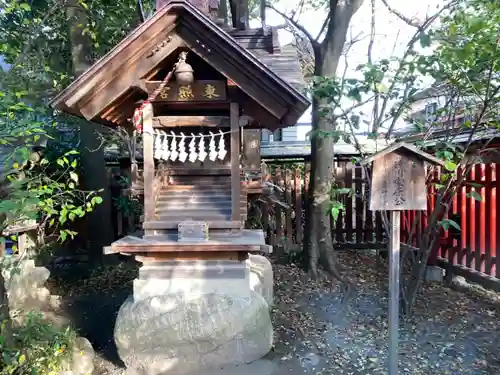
{"x":355,"y":228}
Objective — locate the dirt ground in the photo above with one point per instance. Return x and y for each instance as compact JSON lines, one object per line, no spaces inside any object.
{"x":451,"y":332}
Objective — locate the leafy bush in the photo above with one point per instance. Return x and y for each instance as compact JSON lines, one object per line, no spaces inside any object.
{"x":37,"y":348}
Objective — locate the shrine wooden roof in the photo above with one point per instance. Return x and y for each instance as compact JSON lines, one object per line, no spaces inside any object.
{"x":406,"y":148}
{"x":268,"y":77}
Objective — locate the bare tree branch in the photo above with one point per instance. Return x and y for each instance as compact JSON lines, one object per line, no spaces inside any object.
{"x":323,"y":27}
{"x":409,"y":47}
{"x":140,"y":11}
{"x":297,"y":25}
{"x":370,"y":61}
{"x":401,"y":16}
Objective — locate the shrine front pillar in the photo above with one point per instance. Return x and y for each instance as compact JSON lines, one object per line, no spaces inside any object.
{"x":235,"y":161}
{"x":149,"y":163}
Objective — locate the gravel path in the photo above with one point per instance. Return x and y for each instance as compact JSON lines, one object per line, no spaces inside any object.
{"x":451,"y":332}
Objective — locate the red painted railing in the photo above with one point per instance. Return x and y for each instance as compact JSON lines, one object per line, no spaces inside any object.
{"x":474,"y":246}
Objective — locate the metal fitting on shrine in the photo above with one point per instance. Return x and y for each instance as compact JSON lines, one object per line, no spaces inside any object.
{"x":183,"y":71}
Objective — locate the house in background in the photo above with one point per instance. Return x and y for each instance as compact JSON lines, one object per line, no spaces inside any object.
{"x":432,"y":122}
{"x":293,"y":143}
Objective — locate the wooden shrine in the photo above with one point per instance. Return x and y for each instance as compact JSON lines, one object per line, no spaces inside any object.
{"x":188,"y":89}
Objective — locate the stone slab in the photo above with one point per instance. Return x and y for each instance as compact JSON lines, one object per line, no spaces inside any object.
{"x":248,"y":240}
{"x":434,"y":274}
{"x":194,"y":269}
{"x":193,"y":287}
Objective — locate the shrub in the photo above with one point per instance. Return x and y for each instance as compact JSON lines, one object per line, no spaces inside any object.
{"x":38,"y":348}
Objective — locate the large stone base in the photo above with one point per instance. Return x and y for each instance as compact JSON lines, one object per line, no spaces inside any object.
{"x":196,"y":319}
{"x":174,"y":334}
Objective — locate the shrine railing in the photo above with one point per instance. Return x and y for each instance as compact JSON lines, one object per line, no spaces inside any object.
{"x":470,"y":240}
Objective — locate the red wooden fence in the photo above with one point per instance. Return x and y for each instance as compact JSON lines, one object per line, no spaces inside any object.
{"x":474,"y":246}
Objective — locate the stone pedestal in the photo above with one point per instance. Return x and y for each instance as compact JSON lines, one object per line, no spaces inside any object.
{"x":192,"y":316}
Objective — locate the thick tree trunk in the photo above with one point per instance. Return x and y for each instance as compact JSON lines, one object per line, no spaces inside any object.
{"x":99,"y":227}
{"x":318,"y":241}
{"x":5,"y":319}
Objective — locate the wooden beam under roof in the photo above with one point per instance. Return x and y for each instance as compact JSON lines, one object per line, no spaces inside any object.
{"x":209,"y":121}
{"x":138,"y":67}
{"x":105,"y":71}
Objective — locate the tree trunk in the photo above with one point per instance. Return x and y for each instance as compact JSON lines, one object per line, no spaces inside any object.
{"x":5,"y":319}
{"x":99,"y":227}
{"x":318,"y":241}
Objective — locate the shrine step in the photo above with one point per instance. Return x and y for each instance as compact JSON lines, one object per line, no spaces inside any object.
{"x":168,"y":223}
{"x":205,"y":187}
{"x":194,"y":180}
{"x":180,"y":205}
{"x":197,"y":200}
{"x":196,"y":215}
{"x":200,"y":212}
{"x":172,"y":195}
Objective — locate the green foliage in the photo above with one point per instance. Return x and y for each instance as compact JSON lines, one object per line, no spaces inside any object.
{"x":34,"y":41}
{"x":41,"y":187}
{"x":446,"y":224}
{"x":126,"y":204}
{"x":467,"y":52}
{"x":336,"y":201}
{"x":464,"y":59}
{"x":38,"y":348}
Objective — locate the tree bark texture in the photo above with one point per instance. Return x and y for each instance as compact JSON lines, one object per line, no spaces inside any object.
{"x":99,"y":227}
{"x":318,"y":240}
{"x":5,"y":319}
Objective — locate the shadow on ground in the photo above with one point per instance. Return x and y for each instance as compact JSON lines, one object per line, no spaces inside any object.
{"x":94,"y":317}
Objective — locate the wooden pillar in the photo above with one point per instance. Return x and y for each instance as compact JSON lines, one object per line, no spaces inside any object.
{"x":234,"y":113}
{"x":223,"y":12}
{"x":149,"y":163}
{"x":251,"y":148}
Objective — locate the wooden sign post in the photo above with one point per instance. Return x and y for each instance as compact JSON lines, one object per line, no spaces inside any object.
{"x":398,"y":183}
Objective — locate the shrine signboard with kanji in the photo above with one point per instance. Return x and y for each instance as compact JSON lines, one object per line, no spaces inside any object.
{"x":398,"y":179}
{"x":398,"y":183}
{"x":198,"y":91}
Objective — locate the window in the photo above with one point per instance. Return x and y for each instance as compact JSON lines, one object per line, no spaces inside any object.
{"x":278,"y":135}
{"x":430,"y":112}
{"x":268,"y":137}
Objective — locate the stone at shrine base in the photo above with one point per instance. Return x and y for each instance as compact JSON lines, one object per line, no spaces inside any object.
{"x":180,"y":325}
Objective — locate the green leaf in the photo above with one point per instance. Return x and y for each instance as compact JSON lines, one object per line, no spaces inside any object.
{"x":425,"y":40}
{"x":335,"y":211}
{"x":96,"y":200}
{"x":382,"y":88}
{"x":477,"y":185}
{"x":343,"y":191}
{"x":474,"y":195}
{"x":450,"y":166}
{"x":25,"y":6}
{"x":447,"y":223}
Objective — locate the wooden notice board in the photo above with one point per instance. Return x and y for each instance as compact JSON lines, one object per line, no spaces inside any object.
{"x":398,"y":183}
